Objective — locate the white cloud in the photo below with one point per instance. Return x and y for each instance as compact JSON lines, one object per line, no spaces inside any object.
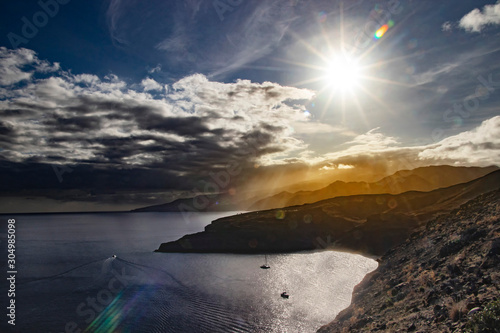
{"x":372,"y":140}
{"x":376,"y":151}
{"x":447,"y":26}
{"x":335,"y":166}
{"x":480,"y":146}
{"x":314,"y":127}
{"x":150,"y":84}
{"x":156,"y":69}
{"x":46,"y":67}
{"x":477,"y":19}
{"x":372,"y":149}
{"x":20,"y":65}
{"x":86,"y":78}
{"x":11,"y":63}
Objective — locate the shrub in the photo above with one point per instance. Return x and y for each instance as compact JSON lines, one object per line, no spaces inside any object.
{"x":427,"y":278}
{"x":485,"y":321}
{"x":456,"y":310}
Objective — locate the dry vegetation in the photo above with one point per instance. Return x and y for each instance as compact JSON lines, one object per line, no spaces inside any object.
{"x":444,"y":278}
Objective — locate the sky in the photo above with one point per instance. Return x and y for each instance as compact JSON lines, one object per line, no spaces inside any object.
{"x":118,"y":104}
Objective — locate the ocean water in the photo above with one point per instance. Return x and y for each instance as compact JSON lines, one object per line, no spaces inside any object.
{"x":69,"y":281}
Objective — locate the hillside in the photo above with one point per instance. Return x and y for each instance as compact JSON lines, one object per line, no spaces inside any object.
{"x":368,"y":224}
{"x":445,"y":278}
{"x":419,"y":179}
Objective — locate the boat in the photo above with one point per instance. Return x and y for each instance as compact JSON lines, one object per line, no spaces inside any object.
{"x":265,"y":266}
{"x":284,"y":295}
{"x":114,"y":256}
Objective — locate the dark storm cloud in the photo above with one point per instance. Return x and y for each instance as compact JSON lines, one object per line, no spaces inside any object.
{"x":189,"y":126}
{"x":74,"y":124}
{"x":266,"y":91}
{"x":90,"y":104}
{"x":78,"y":132}
{"x":33,"y":177}
{"x":272,"y":128}
{"x":6,"y":129}
{"x":17,"y":113}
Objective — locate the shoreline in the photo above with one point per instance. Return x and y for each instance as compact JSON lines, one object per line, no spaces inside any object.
{"x":369,"y":224}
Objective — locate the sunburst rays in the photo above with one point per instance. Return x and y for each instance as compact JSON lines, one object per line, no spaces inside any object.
{"x":347,"y":71}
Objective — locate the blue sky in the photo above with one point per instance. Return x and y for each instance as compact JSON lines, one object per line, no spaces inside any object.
{"x":141,"y":101}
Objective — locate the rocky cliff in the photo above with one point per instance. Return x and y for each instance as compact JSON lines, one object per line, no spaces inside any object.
{"x":444,"y":278}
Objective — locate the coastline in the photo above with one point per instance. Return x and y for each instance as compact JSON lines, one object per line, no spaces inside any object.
{"x":369,"y":224}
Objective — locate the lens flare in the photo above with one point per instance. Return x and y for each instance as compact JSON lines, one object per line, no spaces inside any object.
{"x":380,"y":32}
{"x":280,"y":214}
{"x":322,"y":17}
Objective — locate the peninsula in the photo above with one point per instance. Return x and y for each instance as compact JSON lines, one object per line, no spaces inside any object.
{"x":366,"y":224}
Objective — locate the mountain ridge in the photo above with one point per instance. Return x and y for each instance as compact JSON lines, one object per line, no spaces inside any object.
{"x":369,"y":224}
{"x":228,"y":202}
{"x":399,"y":182}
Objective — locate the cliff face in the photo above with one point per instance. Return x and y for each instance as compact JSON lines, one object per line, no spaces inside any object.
{"x":431,"y":282}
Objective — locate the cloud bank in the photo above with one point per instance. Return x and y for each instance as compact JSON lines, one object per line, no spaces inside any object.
{"x":480,"y":146}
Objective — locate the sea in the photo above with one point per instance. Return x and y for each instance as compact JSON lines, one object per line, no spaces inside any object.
{"x":99,"y":273}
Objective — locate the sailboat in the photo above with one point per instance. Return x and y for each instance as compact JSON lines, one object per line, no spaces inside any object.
{"x":265,"y":266}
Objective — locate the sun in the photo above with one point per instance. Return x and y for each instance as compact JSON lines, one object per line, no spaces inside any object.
{"x":342,"y":73}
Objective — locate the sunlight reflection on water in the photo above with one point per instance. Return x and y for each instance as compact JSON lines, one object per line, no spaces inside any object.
{"x":174,"y":292}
